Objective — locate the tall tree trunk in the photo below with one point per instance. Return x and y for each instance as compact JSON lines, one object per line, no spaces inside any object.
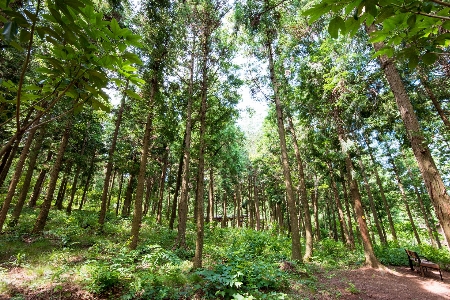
{"x":32,"y":159}
{"x":119,"y":194}
{"x":63,"y":187}
{"x":45,"y":207}
{"x":211,"y":195}
{"x":128,"y":196}
{"x":380,"y":187}
{"x":183,"y":205}
{"x":10,"y":157}
{"x":430,"y":173}
{"x":162,"y":185}
{"x":369,"y":254}
{"x":40,"y":180}
{"x":206,"y":40}
{"x":173,"y":213}
{"x":296,"y":246}
{"x":88,"y":181}
{"x":315,"y":203}
{"x":339,"y":208}
{"x":239,"y":204}
{"x":108,"y":204}
{"x":224,"y":210}
{"x":256,"y":198}
{"x":303,"y":194}
{"x":405,"y":201}
{"x":435,"y":101}
{"x":16,"y":177}
{"x":109,"y":165}
{"x":148,"y":194}
{"x":372,"y":203}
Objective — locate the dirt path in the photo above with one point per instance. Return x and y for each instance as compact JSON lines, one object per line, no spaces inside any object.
{"x":391,"y":283}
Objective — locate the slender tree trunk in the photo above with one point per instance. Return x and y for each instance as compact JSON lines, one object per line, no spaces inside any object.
{"x":380,"y":187}
{"x":435,"y":102}
{"x":224,"y":210}
{"x":405,"y":201}
{"x":211,"y":195}
{"x":137,"y":217}
{"x":369,"y":254}
{"x":75,"y":179}
{"x":32,"y":158}
{"x":63,"y":187}
{"x":372,"y":203}
{"x":109,"y":165}
{"x":296,"y":246}
{"x":183,"y":205}
{"x":148,"y":194}
{"x":347,"y":210}
{"x":315,"y":203}
{"x":108,"y":204}
{"x":430,"y":173}
{"x":173,"y":214}
{"x":206,"y":40}
{"x":88,"y":181}
{"x":16,"y":177}
{"x":239,"y":204}
{"x":303,"y":194}
{"x":45,"y":207}
{"x":119,"y":194}
{"x":39,"y":181}
{"x":345,"y":232}
{"x":162,"y":186}
{"x":128,"y":197}
{"x":10,"y":157}
{"x":256,"y":198}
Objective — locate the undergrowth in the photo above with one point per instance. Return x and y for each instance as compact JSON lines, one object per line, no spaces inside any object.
{"x":237,"y":263}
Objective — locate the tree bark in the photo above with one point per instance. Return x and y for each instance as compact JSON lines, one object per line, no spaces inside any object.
{"x":303,"y":195}
{"x":32,"y":159}
{"x":296,"y":246}
{"x":430,"y":173}
{"x":405,"y":201}
{"x":40,"y":180}
{"x":372,"y":203}
{"x":45,"y":208}
{"x":380,"y":187}
{"x":16,"y":177}
{"x":173,"y":213}
{"x":162,"y":185}
{"x":109,"y":165}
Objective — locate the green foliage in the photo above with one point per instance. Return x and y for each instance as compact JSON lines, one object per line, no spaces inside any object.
{"x":331,"y":253}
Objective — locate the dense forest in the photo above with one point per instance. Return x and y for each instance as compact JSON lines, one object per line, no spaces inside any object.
{"x":124,"y":172}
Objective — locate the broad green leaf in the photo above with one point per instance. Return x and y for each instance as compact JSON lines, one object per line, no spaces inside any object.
{"x":429,"y":58}
{"x":317,"y":11}
{"x":411,"y":20}
{"x":378,"y":36}
{"x":446,"y":25}
{"x":132,"y":58}
{"x":385,"y":12}
{"x":115,"y":28}
{"x":334,"y":26}
{"x":25,"y":35}
{"x":10,"y":31}
{"x":16,"y":45}
{"x":413,"y":61}
{"x":133,"y":94}
{"x":388,"y":51}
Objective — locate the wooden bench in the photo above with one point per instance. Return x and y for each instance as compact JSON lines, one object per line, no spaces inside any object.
{"x":422,"y":263}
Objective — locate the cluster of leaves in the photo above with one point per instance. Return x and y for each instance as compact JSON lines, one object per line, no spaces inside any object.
{"x":331,"y":253}
{"x":414,"y":30}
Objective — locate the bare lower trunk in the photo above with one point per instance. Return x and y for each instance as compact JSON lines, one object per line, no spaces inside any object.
{"x":293,"y":219}
{"x":45,"y":208}
{"x":430,"y":173}
{"x":372,"y":204}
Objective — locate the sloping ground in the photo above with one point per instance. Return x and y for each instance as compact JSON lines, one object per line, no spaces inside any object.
{"x":390,"y":283}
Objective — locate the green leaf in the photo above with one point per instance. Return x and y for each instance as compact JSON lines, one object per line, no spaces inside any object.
{"x":334,"y":26}
{"x":411,"y":20}
{"x":385,"y":13}
{"x":429,"y":58}
{"x":115,"y":28}
{"x":388,"y":51}
{"x":371,"y":8}
{"x":413,"y":61}
{"x":25,"y":36}
{"x":446,"y":25}
{"x":16,"y":45}
{"x":133,"y":94}
{"x":378,"y":36}
{"x":132,"y":58}
{"x":317,"y":11}
{"x":10,"y":31}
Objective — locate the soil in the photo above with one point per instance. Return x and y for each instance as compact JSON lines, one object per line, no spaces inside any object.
{"x":364,"y":283}
{"x":388,"y":283}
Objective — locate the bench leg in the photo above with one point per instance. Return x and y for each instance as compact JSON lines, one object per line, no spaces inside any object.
{"x":421,"y":271}
{"x":440,"y":274}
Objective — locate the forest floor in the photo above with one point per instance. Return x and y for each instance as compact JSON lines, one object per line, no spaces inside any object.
{"x":388,"y":283}
{"x":362,"y":283}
